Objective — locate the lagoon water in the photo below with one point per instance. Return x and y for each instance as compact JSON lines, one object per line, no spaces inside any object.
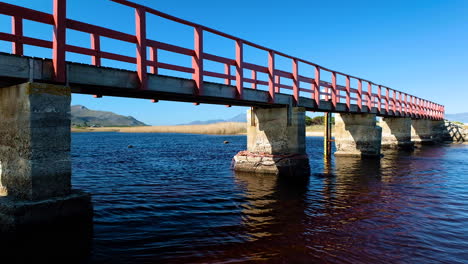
{"x":172,"y":198}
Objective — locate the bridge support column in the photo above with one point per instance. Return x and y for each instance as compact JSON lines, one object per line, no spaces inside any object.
{"x":396,"y":133}
{"x":422,"y":131}
{"x":357,"y":135}
{"x":276,"y":142}
{"x":35,"y":164}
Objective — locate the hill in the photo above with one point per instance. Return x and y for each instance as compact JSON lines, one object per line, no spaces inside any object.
{"x":460,"y":117}
{"x":84,"y":117}
{"x":238,"y":118}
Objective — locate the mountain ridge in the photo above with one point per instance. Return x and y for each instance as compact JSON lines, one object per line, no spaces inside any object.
{"x":81,"y":116}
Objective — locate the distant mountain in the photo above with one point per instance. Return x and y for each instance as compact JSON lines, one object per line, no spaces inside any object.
{"x":82,"y":116}
{"x":460,"y":117}
{"x":238,"y":118}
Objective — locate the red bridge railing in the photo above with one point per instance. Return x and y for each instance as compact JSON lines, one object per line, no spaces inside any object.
{"x":379,"y":96}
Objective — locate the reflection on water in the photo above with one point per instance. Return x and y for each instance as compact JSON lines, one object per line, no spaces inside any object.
{"x":180,"y":203}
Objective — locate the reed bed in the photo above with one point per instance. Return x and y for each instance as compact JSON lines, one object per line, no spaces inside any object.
{"x":227,"y":128}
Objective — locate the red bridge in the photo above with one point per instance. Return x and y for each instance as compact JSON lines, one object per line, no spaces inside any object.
{"x":311,"y":92}
{"x":35,"y":96}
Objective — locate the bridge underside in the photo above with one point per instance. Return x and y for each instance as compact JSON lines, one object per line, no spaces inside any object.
{"x":88,"y":79}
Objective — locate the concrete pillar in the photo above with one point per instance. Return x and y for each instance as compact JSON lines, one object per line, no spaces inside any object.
{"x":275,"y":142}
{"x":35,"y":165}
{"x":396,"y":133}
{"x":357,"y":135}
{"x":422,"y":131}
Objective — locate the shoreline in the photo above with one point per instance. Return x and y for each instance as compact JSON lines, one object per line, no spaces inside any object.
{"x":227,"y":128}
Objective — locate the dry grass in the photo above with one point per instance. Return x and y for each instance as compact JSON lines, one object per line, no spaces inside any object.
{"x":228,"y":128}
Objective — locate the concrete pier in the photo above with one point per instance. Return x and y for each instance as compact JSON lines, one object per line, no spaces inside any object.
{"x":275,"y":142}
{"x":35,"y":164}
{"x":357,"y":135}
{"x":396,"y":133}
{"x":422,"y":131}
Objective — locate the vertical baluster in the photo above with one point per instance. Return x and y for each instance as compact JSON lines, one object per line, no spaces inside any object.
{"x":141,"y":58}
{"x":96,"y":46}
{"x":348,"y":93}
{"x":369,"y":97}
{"x":197,"y":60}
{"x":154,"y":58}
{"x":17,"y":30}
{"x":254,"y":78}
{"x":59,"y":40}
{"x":239,"y":68}
{"x":316,"y":86}
{"x":359,"y":95}
{"x":295,"y":73}
{"x":333,"y":90}
{"x":227,"y":71}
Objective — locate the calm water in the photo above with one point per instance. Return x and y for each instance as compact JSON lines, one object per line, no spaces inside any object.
{"x":173,"y":199}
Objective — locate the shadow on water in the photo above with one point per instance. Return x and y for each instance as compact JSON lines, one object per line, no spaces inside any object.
{"x":65,"y":242}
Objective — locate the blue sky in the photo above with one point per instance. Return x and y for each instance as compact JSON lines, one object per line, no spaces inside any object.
{"x":419,"y":47}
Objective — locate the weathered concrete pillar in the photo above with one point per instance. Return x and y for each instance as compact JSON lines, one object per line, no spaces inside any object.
{"x":357,"y":135}
{"x":422,"y":131}
{"x":396,"y":133}
{"x":35,"y":165}
{"x":275,"y":142}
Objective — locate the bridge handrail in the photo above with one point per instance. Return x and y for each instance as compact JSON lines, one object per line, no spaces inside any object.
{"x":391,"y":100}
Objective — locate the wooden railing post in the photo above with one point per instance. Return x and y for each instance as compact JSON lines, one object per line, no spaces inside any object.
{"x":379,"y":97}
{"x":333,"y":97}
{"x":254,"y":78}
{"x":227,"y":71}
{"x":316,"y":86}
{"x":348,"y":93}
{"x":197,"y":60}
{"x":271,"y":75}
{"x":387,"y":99}
{"x":240,"y":68}
{"x":154,"y":58}
{"x":141,"y":58}
{"x":17,"y":30}
{"x":96,"y":46}
{"x":59,"y":40}
{"x":295,"y":73}
{"x":359,"y":95}
{"x":369,"y":97}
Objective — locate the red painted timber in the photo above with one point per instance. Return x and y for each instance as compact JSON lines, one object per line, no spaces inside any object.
{"x":17,"y":30}
{"x":197,"y":61}
{"x":295,"y":75}
{"x":96,"y":46}
{"x":140,"y":24}
{"x":154,"y":58}
{"x":271,"y":76}
{"x":239,"y":68}
{"x":316,"y":86}
{"x":59,"y":41}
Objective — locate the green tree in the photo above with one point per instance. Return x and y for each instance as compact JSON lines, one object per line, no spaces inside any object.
{"x":317,"y":121}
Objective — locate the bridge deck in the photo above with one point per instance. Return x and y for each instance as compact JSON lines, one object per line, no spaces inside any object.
{"x":89,"y":79}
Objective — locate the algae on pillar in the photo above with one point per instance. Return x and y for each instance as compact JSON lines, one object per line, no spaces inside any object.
{"x":35,"y":174}
{"x":357,"y":135}
{"x":396,"y":133}
{"x":275,"y":142}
